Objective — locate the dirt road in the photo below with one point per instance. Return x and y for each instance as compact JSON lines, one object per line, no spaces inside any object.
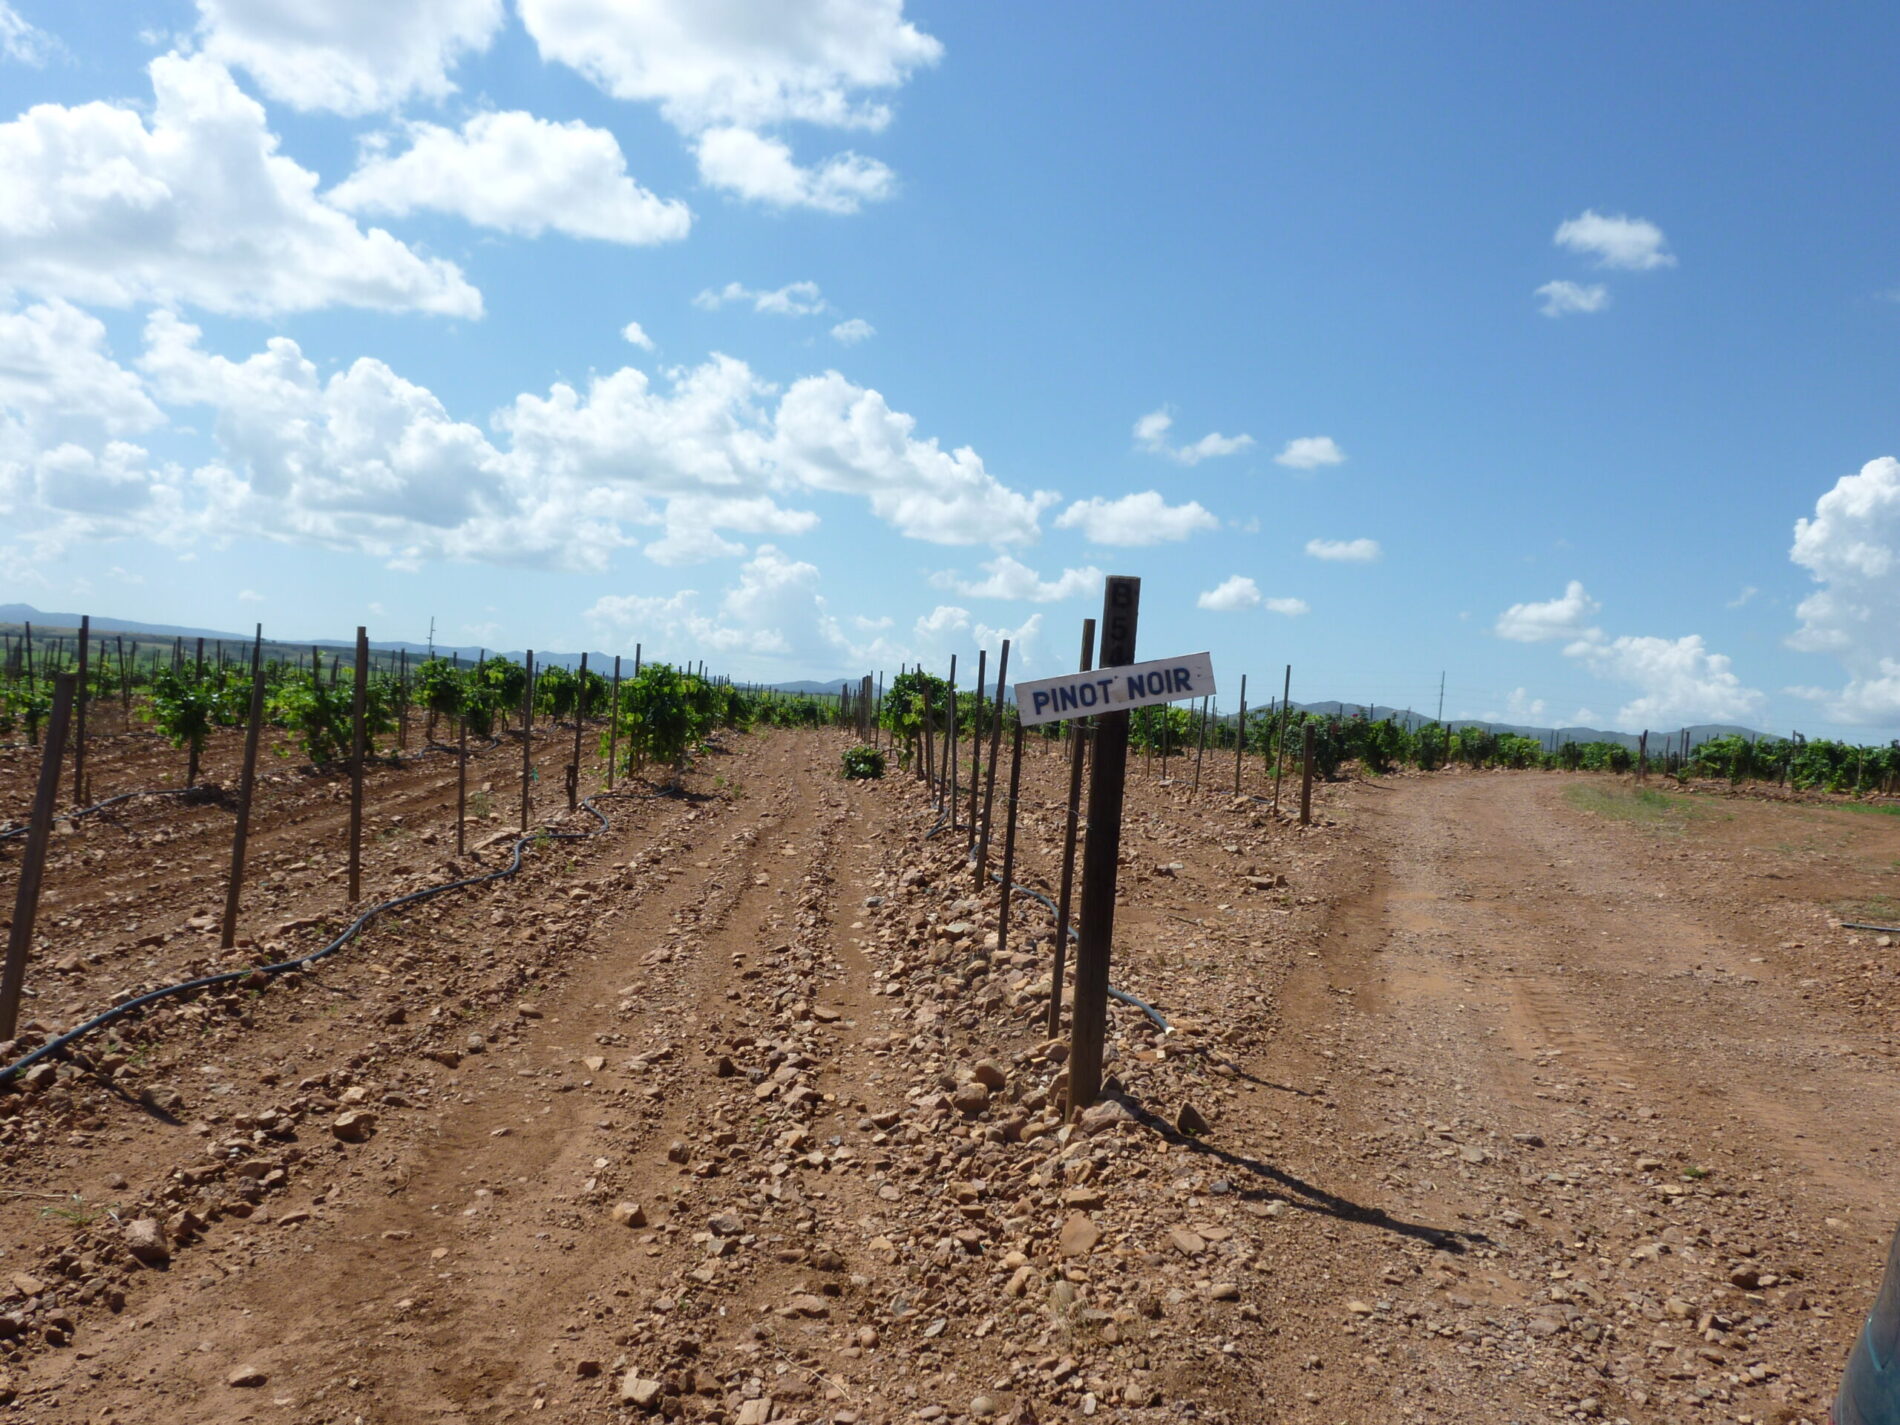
{"x":1626,"y":1045}
{"x":1487,"y":1098}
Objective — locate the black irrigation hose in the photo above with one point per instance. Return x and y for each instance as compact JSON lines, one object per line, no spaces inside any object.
{"x":1856,"y":925}
{"x":1074,"y":934}
{"x":303,"y":962}
{"x":12,"y":832}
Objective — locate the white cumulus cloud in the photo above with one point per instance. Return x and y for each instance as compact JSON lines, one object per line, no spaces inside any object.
{"x":1231,"y":595}
{"x":519,"y":174}
{"x":726,"y":73}
{"x":22,"y":42}
{"x":1135,"y":520}
{"x":1310,"y":452}
{"x":1151,"y":434}
{"x":853,"y":330}
{"x":1567,"y":616}
{"x":1851,"y":549}
{"x":199,"y":207}
{"x":364,"y":460}
{"x":1635,"y":244}
{"x":1562,"y":298}
{"x":1345,"y":551}
{"x":794,"y":299}
{"x":1012,"y":579}
{"x":636,"y":334}
{"x":1679,"y":680}
{"x":349,"y":56}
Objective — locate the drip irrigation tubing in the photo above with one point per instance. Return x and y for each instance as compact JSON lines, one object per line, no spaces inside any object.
{"x":1856,"y":925}
{"x":14,"y":831}
{"x":303,"y":962}
{"x":1074,"y":934}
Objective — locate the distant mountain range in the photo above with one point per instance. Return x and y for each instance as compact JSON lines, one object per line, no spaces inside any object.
{"x":13,"y":615}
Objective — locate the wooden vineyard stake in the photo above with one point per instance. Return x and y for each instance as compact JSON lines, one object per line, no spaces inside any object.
{"x":26,"y":900}
{"x":877,"y":713}
{"x":976,"y":743}
{"x":1088,"y":1027}
{"x":359,"y":689}
{"x":927,"y":761}
{"x":79,"y":715}
{"x":1279,"y":750}
{"x":574,"y":767}
{"x":1306,"y":775}
{"x":247,"y":782}
{"x":1240,"y":733}
{"x":1078,"y":751}
{"x":613,"y":724}
{"x":461,"y":773}
{"x":1642,"y":757}
{"x":1009,"y":839}
{"x":125,"y":680}
{"x":949,"y":778}
{"x":527,"y":738}
{"x":402,"y":702}
{"x":1200,"y":749}
{"x":996,"y":747}
{"x":32,"y":717}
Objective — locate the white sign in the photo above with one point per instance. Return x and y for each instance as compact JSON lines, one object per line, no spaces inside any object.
{"x":1165,"y":680}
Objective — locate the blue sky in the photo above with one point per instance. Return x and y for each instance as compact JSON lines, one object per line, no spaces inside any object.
{"x":1378,"y":339}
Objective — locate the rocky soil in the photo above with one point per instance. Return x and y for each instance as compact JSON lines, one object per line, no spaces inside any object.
{"x":1474,"y":1104}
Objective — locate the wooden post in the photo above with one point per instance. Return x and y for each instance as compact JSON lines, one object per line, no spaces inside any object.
{"x":79,"y":715}
{"x":928,"y":760}
{"x":613,"y":724}
{"x":527,"y":738}
{"x":1642,"y":756}
{"x":1279,"y":750}
{"x":1306,"y":775}
{"x":976,"y":743}
{"x":1200,"y":749}
{"x":1078,"y":752}
{"x":996,"y":747}
{"x":1009,"y":838}
{"x":26,"y":900}
{"x":359,"y":690}
{"x":198,"y":667}
{"x":574,"y":767}
{"x":949,"y":781}
{"x":461,"y":770}
{"x":1240,"y":733}
{"x":32,"y":717}
{"x":125,"y":680}
{"x":877,"y":713}
{"x":247,"y":781}
{"x":402,"y":702}
{"x":1088,"y":1028}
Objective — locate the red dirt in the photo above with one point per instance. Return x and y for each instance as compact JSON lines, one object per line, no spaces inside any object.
{"x":1515,"y":1112}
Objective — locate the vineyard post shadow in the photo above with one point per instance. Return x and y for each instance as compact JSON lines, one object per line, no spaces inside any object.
{"x":1121,"y":607}
{"x":26,"y":901}
{"x":247,"y":782}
